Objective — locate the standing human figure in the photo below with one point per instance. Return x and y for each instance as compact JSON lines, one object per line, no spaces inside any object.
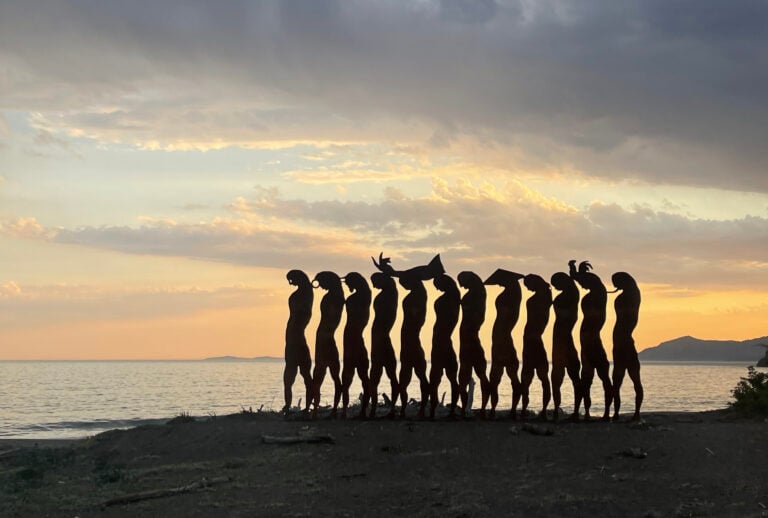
{"x":382,"y":353}
{"x":593,"y":357}
{"x":443,"y":356}
{"x":534,"y":354}
{"x":326,"y":352}
{"x":627,"y":306}
{"x":503,"y":353}
{"x":471,"y":354}
{"x":297,"y":356}
{"x":412,"y":356}
{"x":564,"y":354}
{"x":358,"y":306}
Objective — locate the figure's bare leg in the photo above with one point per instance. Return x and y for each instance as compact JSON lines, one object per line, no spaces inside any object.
{"x":497,"y":370}
{"x":542,"y":371}
{"x":451,"y":372}
{"x":289,"y":376}
{"x":306,"y":373}
{"x":406,"y":372}
{"x":634,"y":375}
{"x":558,"y":374}
{"x":587,"y":375}
{"x":573,"y":373}
{"x":373,"y":391}
{"x":435,"y":375}
{"x":421,"y":374}
{"x":618,"y":378}
{"x":317,"y":380}
{"x":346,"y":381}
{"x":525,"y":384}
{"x":516,"y":388}
{"x":334,"y":368}
{"x":485,"y":385}
{"x":391,"y":369}
{"x":465,"y":373}
{"x":362,"y":371}
{"x":602,"y":372}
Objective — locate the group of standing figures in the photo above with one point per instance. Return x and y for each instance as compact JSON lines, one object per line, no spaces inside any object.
{"x":471,"y":307}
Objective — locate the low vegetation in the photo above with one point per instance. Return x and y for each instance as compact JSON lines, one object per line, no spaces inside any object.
{"x":751,"y":393}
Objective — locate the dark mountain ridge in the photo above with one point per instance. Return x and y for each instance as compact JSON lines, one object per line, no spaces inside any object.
{"x":689,"y":348}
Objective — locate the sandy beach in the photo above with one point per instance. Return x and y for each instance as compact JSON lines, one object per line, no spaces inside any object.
{"x":670,"y":464}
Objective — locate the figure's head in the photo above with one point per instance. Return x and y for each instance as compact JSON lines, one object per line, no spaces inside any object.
{"x":444,"y":283}
{"x":355,"y":281}
{"x":503,"y":277}
{"x":562,"y":281}
{"x":535,"y":283}
{"x":381,"y":280}
{"x":623,"y":281}
{"x":469,"y":280}
{"x":298,"y":278}
{"x":327,"y":280}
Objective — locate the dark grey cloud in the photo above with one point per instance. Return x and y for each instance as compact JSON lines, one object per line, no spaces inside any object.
{"x":669,"y":92}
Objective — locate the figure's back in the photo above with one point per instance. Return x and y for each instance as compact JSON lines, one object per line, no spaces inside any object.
{"x":447,"y":308}
{"x":415,"y":308}
{"x":507,"y":311}
{"x":358,"y":307}
{"x":300,"y":310}
{"x":472,"y":311}
{"x":537,"y":307}
{"x":385,"y":310}
{"x":331,"y":307}
{"x":627,"y":306}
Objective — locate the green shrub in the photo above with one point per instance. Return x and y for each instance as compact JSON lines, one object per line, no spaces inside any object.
{"x":751,"y":393}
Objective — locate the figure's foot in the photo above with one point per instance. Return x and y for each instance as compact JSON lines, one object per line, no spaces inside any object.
{"x":606,"y":417}
{"x":542,"y":416}
{"x":391,"y":414}
{"x":344,"y":413}
{"x":492,"y":414}
{"x":587,"y":417}
{"x":333,"y":414}
{"x":420,"y":414}
{"x":513,"y":414}
{"x":636,"y":417}
{"x":615,"y":417}
{"x":574,"y":418}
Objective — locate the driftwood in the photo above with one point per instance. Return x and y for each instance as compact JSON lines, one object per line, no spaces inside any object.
{"x":297,"y":439}
{"x":162,"y":493}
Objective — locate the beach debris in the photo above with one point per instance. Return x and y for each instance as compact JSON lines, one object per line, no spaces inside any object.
{"x":709,"y":451}
{"x":536,"y":429}
{"x":634,"y":453}
{"x":514,"y":430}
{"x":131,"y":498}
{"x":298,"y":439}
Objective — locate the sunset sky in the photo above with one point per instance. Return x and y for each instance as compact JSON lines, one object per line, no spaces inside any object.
{"x":163,"y":164}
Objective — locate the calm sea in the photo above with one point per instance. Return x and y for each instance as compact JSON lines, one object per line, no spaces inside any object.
{"x":68,"y":399}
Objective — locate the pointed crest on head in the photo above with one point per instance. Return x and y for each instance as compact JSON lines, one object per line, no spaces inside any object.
{"x":503,"y":277}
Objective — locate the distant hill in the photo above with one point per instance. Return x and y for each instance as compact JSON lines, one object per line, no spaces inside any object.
{"x":241,"y":359}
{"x":688,"y":348}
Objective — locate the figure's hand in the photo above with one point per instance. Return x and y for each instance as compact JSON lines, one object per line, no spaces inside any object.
{"x":584,"y":267}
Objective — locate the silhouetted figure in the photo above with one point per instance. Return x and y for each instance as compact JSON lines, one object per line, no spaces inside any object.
{"x":593,"y":357}
{"x":326,"y":353}
{"x":296,"y":349}
{"x":503,"y":353}
{"x":534,"y":355}
{"x":564,"y":354}
{"x":471,"y":354}
{"x":443,"y":356}
{"x":382,"y":352}
{"x":412,"y":356}
{"x":422,"y":272}
{"x":627,"y":306}
{"x":358,"y":306}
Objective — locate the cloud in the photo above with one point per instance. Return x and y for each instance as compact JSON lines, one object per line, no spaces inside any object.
{"x":658,"y":91}
{"x":28,"y":228}
{"x":474,"y":225}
